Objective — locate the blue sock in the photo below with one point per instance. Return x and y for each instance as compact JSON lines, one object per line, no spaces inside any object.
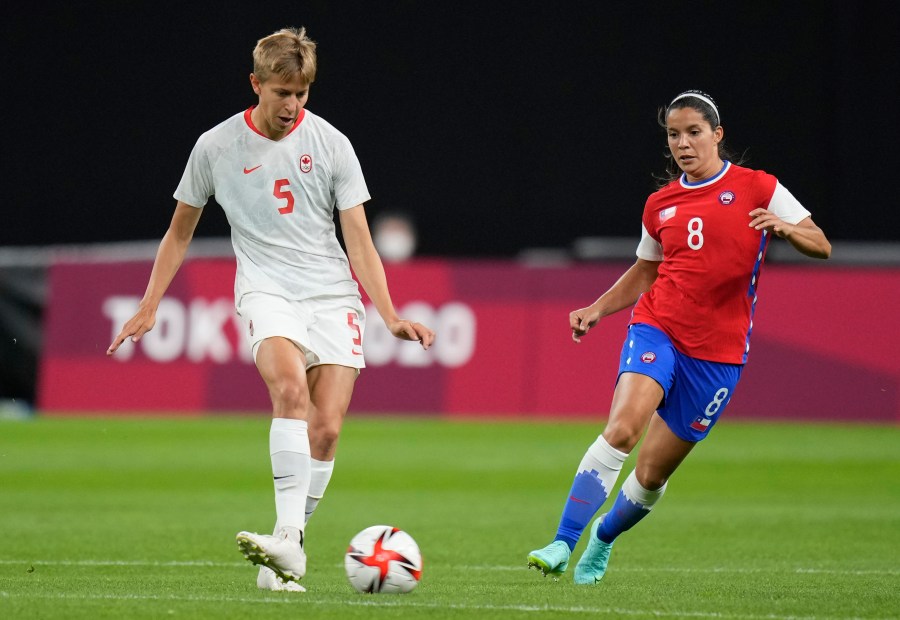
{"x":597,"y":474}
{"x":632,"y":504}
{"x":585,"y":498}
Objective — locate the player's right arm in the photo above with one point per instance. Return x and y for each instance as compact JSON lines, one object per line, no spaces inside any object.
{"x":623,"y":294}
{"x":169,"y":256}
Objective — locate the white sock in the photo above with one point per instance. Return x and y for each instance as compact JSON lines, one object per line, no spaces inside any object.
{"x":289,"y":449}
{"x":320,"y":475}
{"x":637,"y":494}
{"x":605,"y":460}
{"x":633,"y":504}
{"x":593,"y":483}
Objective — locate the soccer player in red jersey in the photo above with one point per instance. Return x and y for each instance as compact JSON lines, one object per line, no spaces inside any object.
{"x":694,"y":291}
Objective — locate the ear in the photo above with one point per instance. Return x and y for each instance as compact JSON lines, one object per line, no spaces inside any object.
{"x":718,"y":134}
{"x":255,"y":84}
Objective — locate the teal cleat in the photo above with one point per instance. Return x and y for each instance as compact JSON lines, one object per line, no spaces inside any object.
{"x":552,"y":560}
{"x":592,"y":565}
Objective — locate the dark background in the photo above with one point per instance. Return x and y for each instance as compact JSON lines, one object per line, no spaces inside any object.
{"x":498,"y":125}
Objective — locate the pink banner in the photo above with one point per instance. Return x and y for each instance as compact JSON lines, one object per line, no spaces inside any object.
{"x":823,"y":345}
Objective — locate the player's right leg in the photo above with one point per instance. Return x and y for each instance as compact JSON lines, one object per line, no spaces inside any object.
{"x":635,"y":399}
{"x":283,"y":554}
{"x":551,"y":560}
{"x":283,"y":368}
{"x":660,"y":455}
{"x":596,"y":475}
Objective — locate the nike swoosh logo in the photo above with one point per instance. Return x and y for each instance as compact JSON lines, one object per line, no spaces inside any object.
{"x":282,"y":477}
{"x":249,"y":170}
{"x":575,"y":499}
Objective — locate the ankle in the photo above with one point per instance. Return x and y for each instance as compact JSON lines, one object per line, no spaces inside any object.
{"x":294,"y":534}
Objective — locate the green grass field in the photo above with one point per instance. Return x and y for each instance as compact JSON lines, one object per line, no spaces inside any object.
{"x":113,"y":518}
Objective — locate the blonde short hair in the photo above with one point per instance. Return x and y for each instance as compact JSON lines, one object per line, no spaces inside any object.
{"x":285,"y":53}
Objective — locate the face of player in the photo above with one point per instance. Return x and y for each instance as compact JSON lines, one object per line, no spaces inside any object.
{"x":693,"y":143}
{"x":280,"y":102}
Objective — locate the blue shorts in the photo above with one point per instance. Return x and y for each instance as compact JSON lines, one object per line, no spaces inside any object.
{"x":696,"y":392}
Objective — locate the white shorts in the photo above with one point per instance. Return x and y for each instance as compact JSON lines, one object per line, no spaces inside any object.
{"x":328,"y":330}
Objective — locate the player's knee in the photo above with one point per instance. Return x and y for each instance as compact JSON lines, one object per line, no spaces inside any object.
{"x":325,"y":437}
{"x":650,"y":479}
{"x":622,"y":437}
{"x":324,"y":428}
{"x":289,"y":395}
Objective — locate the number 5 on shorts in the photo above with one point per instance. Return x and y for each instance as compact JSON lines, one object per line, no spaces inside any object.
{"x":353,"y":322}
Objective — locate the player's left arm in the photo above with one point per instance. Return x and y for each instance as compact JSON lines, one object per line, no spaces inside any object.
{"x":788,"y":219}
{"x":805,"y":236}
{"x":369,"y":271}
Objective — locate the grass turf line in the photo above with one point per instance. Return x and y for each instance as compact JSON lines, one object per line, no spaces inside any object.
{"x":136,"y":518}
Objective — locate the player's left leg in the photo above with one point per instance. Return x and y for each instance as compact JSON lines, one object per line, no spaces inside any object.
{"x":331,"y":388}
{"x":336,"y":336}
{"x":266,"y":579}
{"x":660,"y":455}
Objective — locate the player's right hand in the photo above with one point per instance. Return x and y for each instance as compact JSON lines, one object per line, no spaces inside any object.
{"x":137,"y":326}
{"x":581,"y":321}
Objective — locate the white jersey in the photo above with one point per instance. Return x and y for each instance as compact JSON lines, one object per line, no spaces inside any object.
{"x":279,"y":198}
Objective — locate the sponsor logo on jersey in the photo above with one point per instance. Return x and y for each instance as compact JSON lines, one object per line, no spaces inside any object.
{"x":649,"y":357}
{"x":667,"y":213}
{"x":249,"y":170}
{"x":726,"y":197}
{"x":701,"y":424}
{"x":305,"y":163}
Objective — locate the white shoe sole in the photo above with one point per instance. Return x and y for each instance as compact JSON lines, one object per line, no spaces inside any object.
{"x":257,"y":555}
{"x":266,"y":580}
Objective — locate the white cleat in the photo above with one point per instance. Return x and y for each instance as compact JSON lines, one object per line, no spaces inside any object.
{"x":268,"y":580}
{"x":281,"y":554}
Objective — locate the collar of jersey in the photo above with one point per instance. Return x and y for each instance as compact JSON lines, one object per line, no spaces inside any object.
{"x":250,"y":124}
{"x":684,"y":182}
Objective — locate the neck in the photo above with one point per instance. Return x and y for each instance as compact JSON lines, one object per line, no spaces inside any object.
{"x":710,"y":171}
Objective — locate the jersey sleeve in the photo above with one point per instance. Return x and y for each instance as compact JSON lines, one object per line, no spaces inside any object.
{"x":785,"y":206}
{"x":196,"y":184}
{"x":649,"y":248}
{"x":349,"y":184}
{"x":650,"y":245}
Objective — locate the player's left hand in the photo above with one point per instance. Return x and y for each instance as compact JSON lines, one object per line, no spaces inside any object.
{"x":763,"y":219}
{"x":416,"y":332}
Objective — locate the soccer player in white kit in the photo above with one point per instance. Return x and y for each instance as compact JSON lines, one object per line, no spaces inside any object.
{"x":278,"y":171}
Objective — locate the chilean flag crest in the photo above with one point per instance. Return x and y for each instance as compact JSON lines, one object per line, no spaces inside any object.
{"x":701,"y":424}
{"x":667,"y":213}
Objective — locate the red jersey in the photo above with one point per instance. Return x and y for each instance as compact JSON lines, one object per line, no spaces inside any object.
{"x":705,"y":294}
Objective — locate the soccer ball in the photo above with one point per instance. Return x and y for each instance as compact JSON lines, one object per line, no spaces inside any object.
{"x":383,"y":559}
